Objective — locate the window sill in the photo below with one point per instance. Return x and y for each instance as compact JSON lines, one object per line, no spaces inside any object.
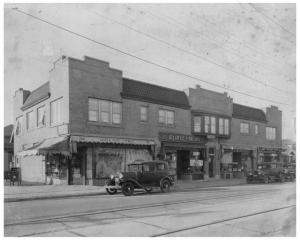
{"x":116,"y":125}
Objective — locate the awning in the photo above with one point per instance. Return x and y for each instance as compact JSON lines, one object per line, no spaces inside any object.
{"x":238,"y":147}
{"x":48,"y":146}
{"x":112,"y":140}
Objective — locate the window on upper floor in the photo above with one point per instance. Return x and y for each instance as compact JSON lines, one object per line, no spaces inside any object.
{"x":256,"y":129}
{"x":213,"y":125}
{"x":206,"y":124}
{"x":223,"y":126}
{"x":104,"y":111}
{"x":56,"y":112}
{"x":244,"y":128}
{"x":270,"y":133}
{"x":166,"y":117}
{"x":41,"y":116}
{"x":19,"y":125}
{"x":30,"y":120}
{"x":143,"y":113}
{"x":197,"y":124}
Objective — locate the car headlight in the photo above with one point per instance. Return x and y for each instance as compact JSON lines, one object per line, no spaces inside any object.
{"x":112,"y":177}
{"x":120,"y":175}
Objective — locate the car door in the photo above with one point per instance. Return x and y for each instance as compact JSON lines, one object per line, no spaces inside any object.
{"x":147,"y":175}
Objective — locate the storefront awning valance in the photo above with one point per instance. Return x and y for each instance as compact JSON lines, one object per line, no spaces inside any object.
{"x":112,"y":140}
{"x":48,"y":146}
{"x":238,"y":147}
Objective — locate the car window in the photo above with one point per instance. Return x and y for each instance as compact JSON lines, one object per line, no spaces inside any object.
{"x":134,"y":167}
{"x":160,"y":167}
{"x":148,"y":167}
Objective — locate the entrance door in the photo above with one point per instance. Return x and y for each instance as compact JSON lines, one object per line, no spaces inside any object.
{"x":183,"y":161}
{"x":211,"y":161}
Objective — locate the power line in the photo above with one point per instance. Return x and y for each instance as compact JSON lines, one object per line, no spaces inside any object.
{"x":270,"y":19}
{"x":145,"y":60}
{"x":186,"y":51}
{"x":171,"y":20}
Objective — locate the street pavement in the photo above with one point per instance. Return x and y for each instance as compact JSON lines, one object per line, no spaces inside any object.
{"x":242,"y":210}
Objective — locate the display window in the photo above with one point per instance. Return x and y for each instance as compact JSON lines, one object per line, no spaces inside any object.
{"x":57,"y":166}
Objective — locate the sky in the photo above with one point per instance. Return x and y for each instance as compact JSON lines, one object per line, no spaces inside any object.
{"x":247,"y":50}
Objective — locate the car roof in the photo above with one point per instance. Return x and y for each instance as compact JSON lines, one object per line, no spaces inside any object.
{"x":147,"y":162}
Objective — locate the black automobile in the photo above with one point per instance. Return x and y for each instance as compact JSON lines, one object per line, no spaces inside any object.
{"x":290,"y":172}
{"x":267,"y":172}
{"x":144,"y":175}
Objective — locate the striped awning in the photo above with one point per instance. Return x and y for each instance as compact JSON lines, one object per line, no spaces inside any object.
{"x":112,"y":140}
{"x":48,"y":146}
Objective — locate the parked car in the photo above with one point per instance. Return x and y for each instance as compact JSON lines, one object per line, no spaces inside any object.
{"x":290,"y":172}
{"x":144,"y":175}
{"x":266,"y":173}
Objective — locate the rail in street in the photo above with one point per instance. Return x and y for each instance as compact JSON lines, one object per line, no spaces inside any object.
{"x":174,"y":214}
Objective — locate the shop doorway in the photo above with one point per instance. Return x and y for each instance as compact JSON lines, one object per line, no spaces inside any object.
{"x":211,"y":161}
{"x":183,"y":162}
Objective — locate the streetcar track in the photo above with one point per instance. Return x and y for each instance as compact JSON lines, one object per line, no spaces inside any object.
{"x":221,"y":221}
{"x":53,"y":218}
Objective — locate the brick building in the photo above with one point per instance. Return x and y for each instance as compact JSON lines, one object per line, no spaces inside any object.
{"x":88,"y":122}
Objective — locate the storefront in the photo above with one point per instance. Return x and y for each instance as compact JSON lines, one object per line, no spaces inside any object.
{"x":269,"y":155}
{"x":185,"y":154}
{"x":46,"y":162}
{"x":236,"y":161}
{"x":96,"y":158}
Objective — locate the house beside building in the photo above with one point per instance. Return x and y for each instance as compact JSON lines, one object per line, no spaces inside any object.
{"x":88,"y":122}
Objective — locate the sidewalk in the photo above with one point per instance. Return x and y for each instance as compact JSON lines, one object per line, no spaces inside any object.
{"x":26,"y":193}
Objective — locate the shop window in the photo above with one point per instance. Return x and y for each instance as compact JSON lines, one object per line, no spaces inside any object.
{"x":270,"y":133}
{"x":57,"y":167}
{"x":244,"y":128}
{"x":197,"y":124}
{"x":41,"y":116}
{"x":56,"y":112}
{"x":19,"y":125}
{"x":30,"y":120}
{"x":144,"y":114}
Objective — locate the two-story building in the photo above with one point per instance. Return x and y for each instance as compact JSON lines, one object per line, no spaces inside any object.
{"x":88,"y":122}
{"x":255,"y":138}
{"x":211,"y":114}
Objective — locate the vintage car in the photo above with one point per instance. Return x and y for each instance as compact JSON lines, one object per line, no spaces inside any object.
{"x":144,"y":175}
{"x":289,"y":171}
{"x":266,"y":173}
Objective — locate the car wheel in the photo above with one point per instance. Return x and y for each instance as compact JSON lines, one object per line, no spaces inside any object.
{"x":165,"y":186}
{"x":266,"y":180}
{"x":111,"y":191}
{"x":148,"y":189}
{"x":127,"y":188}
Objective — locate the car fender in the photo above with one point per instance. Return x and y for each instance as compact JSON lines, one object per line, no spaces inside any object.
{"x":166,"y":178}
{"x":132,"y":180}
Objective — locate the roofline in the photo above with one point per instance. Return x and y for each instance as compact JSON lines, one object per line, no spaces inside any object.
{"x":35,"y":103}
{"x":131,"y":97}
{"x":154,"y":85}
{"x":250,"y":119}
{"x":259,"y":109}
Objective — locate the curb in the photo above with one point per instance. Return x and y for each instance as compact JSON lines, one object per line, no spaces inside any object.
{"x":18,"y":199}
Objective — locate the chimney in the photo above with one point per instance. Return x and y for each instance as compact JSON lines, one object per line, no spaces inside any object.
{"x":198,"y":86}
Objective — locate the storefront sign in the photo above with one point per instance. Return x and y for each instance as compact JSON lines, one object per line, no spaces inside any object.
{"x":170,"y":137}
{"x":112,"y":140}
